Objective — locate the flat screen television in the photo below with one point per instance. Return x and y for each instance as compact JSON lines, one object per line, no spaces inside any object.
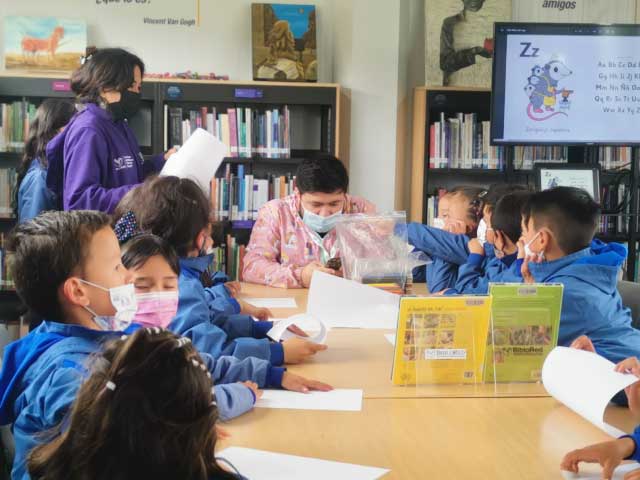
{"x":586,"y":177}
{"x":572,"y":84}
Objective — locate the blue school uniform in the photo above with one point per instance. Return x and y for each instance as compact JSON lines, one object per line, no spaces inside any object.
{"x":591,"y":304}
{"x":475,"y":275}
{"x":213,"y":332}
{"x":33,"y":195}
{"x":635,"y":436}
{"x":41,"y":374}
{"x":437,"y":243}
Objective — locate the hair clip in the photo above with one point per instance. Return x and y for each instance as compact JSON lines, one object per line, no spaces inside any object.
{"x":110,"y":386}
{"x":85,"y":58}
{"x":126,"y":227}
{"x":123,"y":337}
{"x":182,"y":341}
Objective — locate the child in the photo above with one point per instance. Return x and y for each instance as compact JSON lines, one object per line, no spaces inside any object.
{"x":155,"y":267}
{"x":32,"y":195}
{"x":148,"y":410}
{"x":503,"y":232}
{"x":557,"y":232}
{"x":178,"y":211}
{"x":610,"y":454}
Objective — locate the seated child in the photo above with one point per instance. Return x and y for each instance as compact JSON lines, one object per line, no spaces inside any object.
{"x":558,"y":226}
{"x":178,"y":211}
{"x":148,"y":410}
{"x":155,"y":267}
{"x":295,"y":236}
{"x":610,"y":454}
{"x":503,"y":232}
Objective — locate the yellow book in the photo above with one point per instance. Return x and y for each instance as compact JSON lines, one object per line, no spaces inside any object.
{"x":441,"y":340}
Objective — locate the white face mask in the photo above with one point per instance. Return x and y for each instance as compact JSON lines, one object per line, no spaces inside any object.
{"x":481,"y":234}
{"x":320,"y":224}
{"x":527,"y":248}
{"x":438,"y":223}
{"x":123,"y":299}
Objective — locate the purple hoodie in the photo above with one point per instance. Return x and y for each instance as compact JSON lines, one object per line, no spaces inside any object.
{"x":95,"y":161}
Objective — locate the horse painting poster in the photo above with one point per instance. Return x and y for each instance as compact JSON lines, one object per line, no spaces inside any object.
{"x":43,"y":43}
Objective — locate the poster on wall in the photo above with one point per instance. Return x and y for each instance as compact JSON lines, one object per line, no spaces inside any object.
{"x":284,"y":42}
{"x":574,"y":11}
{"x":43,"y":43}
{"x":459,"y":40}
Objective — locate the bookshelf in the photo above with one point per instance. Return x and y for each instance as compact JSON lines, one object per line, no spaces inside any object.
{"x":619,"y":176}
{"x":318,"y":121}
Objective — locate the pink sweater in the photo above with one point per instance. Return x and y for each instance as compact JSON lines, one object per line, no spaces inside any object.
{"x":282,"y":245}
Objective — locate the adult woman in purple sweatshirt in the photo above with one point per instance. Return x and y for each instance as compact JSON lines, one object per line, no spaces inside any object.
{"x":96,"y":160}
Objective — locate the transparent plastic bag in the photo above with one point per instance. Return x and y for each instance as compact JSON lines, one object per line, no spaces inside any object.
{"x":374,"y":250}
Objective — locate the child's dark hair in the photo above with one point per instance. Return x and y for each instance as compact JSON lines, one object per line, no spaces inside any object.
{"x":51,"y":116}
{"x":499,"y":190}
{"x":570,"y":213}
{"x":46,"y":251}
{"x":324,"y":174}
{"x":104,"y":69}
{"x":474,"y":196}
{"x":173,"y":208}
{"x":141,"y":248}
{"x":147,"y":411}
{"x":506,"y":216}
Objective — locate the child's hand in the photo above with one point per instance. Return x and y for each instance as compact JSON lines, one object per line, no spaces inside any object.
{"x":476,"y":247}
{"x":521,"y":250}
{"x":526,"y":273}
{"x":455,"y":226}
{"x":254,"y":388}
{"x":234,"y":288}
{"x":296,"y":383}
{"x":259,"y":313}
{"x":221,"y":433}
{"x":608,"y":454}
{"x":631,"y":365}
{"x":583,"y":343}
{"x":297,"y":350}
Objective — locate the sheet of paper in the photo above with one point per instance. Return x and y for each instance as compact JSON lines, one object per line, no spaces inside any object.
{"x":287,"y":302}
{"x":263,"y":465}
{"x":585,"y":382}
{"x":595,"y":474}
{"x":391,"y":338}
{"x":341,"y":303}
{"x":340,"y":399}
{"x":280,"y":332}
{"x":198,"y":159}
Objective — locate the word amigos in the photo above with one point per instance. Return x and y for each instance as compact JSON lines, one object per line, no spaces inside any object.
{"x":560,"y":5}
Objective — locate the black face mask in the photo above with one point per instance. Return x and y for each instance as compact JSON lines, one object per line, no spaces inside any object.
{"x":127,"y":107}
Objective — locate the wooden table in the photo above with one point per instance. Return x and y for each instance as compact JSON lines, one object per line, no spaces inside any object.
{"x":403,"y":429}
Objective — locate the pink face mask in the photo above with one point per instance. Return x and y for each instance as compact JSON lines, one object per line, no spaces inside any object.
{"x":156,"y":309}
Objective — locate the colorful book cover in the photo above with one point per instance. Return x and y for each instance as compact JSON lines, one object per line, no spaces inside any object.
{"x":525,"y":321}
{"x":441,"y":340}
{"x":233,"y":132}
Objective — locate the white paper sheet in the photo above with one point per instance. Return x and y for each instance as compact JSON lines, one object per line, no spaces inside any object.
{"x":391,"y":338}
{"x":287,"y":302}
{"x":596,"y":474}
{"x":280,"y":332}
{"x":585,"y":382}
{"x":341,"y":303}
{"x":340,"y":399}
{"x":263,"y":465}
{"x":198,"y":159}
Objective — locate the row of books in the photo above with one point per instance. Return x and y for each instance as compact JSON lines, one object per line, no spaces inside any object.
{"x":238,"y":196}
{"x":6,"y":282}
{"x":611,"y":158}
{"x":248,"y":132}
{"x":8,"y":178}
{"x":432,"y":205}
{"x":614,"y":201}
{"x":15,"y":118}
{"x":524,"y":157}
{"x":229,"y":258}
{"x":462,"y":141}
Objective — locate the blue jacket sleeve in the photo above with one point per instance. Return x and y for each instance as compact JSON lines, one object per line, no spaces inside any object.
{"x":438,"y":243}
{"x":635,"y":436}
{"x":153,"y":165}
{"x":42,"y":413}
{"x":233,"y":400}
{"x":227,"y":369}
{"x":34,"y":196}
{"x":475,"y":275}
{"x":220,"y":301}
{"x":440,"y":275}
{"x":85,"y":164}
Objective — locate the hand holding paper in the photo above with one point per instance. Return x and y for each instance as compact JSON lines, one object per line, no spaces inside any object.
{"x":284,"y":329}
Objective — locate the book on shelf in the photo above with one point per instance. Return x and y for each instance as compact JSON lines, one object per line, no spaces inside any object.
{"x":432,"y":205}
{"x":238,"y":196}
{"x":8,"y":178}
{"x":615,"y":203}
{"x":248,"y":132}
{"x":15,"y":119}
{"x":229,"y":258}
{"x":463,"y":142}
{"x":611,"y":158}
{"x":6,"y":281}
{"x":525,"y":157}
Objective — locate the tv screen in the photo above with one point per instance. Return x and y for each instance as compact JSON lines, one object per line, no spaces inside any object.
{"x":566,"y":84}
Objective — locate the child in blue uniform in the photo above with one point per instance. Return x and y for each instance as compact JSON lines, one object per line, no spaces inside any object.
{"x":148,"y":410}
{"x":178,"y":211}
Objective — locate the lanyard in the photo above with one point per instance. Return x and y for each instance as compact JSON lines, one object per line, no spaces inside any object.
{"x":325,"y":255}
